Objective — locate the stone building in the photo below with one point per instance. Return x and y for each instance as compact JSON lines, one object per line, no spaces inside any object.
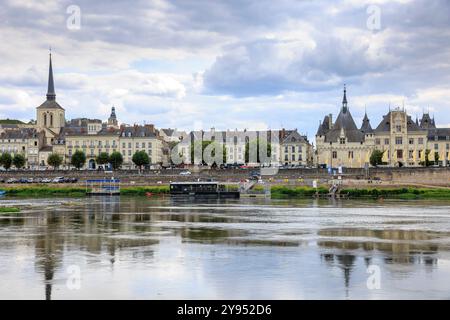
{"x":404,"y":142}
{"x":51,"y":133}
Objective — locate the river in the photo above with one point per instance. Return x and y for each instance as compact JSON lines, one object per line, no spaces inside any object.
{"x":160,"y":248}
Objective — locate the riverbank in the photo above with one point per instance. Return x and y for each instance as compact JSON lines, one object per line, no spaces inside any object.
{"x":277,"y":191}
{"x":77,"y":191}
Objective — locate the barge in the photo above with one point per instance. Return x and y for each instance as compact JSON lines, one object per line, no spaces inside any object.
{"x":202,"y":190}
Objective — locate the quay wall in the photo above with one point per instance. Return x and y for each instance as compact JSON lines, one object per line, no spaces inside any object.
{"x":439,"y":176}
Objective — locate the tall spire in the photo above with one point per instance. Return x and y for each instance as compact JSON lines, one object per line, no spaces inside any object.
{"x":51,"y":86}
{"x":344,"y":100}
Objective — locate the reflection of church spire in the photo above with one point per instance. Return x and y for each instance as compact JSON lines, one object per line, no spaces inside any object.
{"x":346,"y":262}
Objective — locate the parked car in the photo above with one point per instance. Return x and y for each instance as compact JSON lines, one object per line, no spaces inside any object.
{"x":46,"y":180}
{"x":58,"y":180}
{"x":11,"y":180}
{"x":30,"y":180}
{"x":23,"y":180}
{"x":73,"y":180}
{"x":185,"y":173}
{"x":2,"y":180}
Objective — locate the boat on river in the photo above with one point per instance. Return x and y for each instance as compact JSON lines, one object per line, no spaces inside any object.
{"x":202,"y":189}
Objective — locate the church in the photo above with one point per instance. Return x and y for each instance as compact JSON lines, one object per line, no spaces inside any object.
{"x":52,"y":133}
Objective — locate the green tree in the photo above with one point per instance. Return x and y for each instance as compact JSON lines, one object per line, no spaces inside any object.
{"x":54,"y":160}
{"x":376,"y":158}
{"x":78,"y":159}
{"x":140,"y":158}
{"x":19,"y":161}
{"x":436,"y":158}
{"x":427,"y":158}
{"x":102,"y":158}
{"x":6,"y":160}
{"x":116,"y":160}
{"x":259,"y":144}
{"x":211,"y":145}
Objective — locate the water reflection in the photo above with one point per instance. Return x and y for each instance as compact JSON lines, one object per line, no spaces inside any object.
{"x":139,"y":234}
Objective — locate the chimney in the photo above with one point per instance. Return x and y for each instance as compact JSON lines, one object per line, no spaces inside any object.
{"x":330,"y":120}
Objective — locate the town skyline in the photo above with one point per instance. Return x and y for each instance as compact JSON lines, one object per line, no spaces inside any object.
{"x":283,"y":69}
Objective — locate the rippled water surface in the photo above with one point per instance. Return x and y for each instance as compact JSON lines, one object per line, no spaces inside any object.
{"x":139,"y":248}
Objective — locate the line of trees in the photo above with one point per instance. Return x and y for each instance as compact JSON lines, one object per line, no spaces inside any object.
{"x":18,"y":160}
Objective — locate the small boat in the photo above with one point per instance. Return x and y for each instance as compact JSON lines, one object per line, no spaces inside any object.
{"x":149,"y":194}
{"x":2,"y":192}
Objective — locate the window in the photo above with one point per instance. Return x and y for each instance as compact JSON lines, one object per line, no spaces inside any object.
{"x":124,"y":145}
{"x":129,"y":145}
{"x":377,"y":141}
{"x":447,"y":146}
{"x":342,"y":140}
{"x":286,"y":149}
{"x":129,"y":152}
{"x":350,"y":154}
{"x":386,"y":141}
{"x":293,"y":148}
{"x":398,"y":140}
{"x":334,"y":154}
{"x":411,"y":140}
{"x":299,"y":157}
{"x":123,"y":153}
{"x":420,"y":141}
{"x":436,"y":146}
{"x":419,"y":154}
{"x":436,"y":138}
{"x":285,"y":157}
{"x":149,"y":145}
{"x":299,"y":149}
{"x":399,"y":154}
{"x":143,"y":145}
{"x":398,"y":128}
{"x":137,"y":145}
{"x":411,"y":154}
{"x":293,"y":157}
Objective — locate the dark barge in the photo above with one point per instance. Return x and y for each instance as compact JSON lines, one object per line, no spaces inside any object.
{"x":202,"y":190}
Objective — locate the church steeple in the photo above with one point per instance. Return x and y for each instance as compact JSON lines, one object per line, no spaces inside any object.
{"x":51,"y":95}
{"x":344,"y":100}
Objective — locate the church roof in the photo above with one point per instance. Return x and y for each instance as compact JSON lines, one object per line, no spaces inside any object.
{"x":50,"y":103}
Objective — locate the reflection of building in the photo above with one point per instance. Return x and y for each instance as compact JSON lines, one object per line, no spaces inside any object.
{"x":403,"y":141}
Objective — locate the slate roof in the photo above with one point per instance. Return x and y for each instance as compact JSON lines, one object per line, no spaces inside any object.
{"x":426,"y":122}
{"x":23,"y":133}
{"x":366,"y":127}
{"x":385,"y":125}
{"x":442,"y":134}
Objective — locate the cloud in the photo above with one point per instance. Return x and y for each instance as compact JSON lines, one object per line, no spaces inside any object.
{"x":228,"y":64}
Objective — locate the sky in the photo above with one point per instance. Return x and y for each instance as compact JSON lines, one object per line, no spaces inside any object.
{"x":198,"y":64}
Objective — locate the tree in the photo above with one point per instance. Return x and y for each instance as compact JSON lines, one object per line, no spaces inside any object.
{"x":211,"y":145}
{"x":259,"y":143}
{"x":6,"y":160}
{"x":427,"y":158}
{"x":19,"y":160}
{"x":102,"y":158}
{"x":376,"y":158}
{"x":140,"y":158}
{"x":78,"y":159}
{"x":436,"y":158}
{"x":54,"y":160}
{"x":116,"y":160}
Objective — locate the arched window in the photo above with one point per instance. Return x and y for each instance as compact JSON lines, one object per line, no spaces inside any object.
{"x":45,"y":120}
{"x":51,"y":119}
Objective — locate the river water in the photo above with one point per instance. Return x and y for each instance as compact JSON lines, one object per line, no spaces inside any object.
{"x":160,"y":248}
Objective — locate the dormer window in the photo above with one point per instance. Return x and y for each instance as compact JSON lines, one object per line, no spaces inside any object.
{"x":342,"y":140}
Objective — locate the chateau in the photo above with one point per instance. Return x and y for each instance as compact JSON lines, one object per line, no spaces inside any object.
{"x":404,"y":142}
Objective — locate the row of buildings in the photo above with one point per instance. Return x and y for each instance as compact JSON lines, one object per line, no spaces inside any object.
{"x":338,"y":143}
